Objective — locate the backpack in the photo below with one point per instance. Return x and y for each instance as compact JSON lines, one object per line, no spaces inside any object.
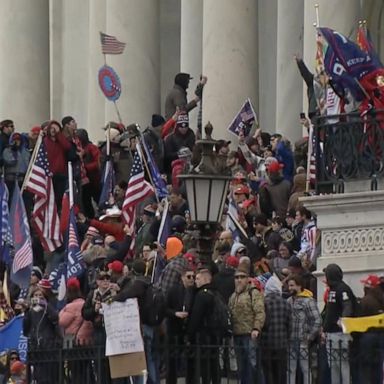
{"x":220,"y":318}
{"x":154,"y":308}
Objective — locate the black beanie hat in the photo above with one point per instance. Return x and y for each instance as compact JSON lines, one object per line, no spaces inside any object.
{"x":157,"y":120}
{"x":138,"y":267}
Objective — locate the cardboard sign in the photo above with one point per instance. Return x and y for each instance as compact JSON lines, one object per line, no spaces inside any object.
{"x":122,"y":326}
{"x":132,"y":364}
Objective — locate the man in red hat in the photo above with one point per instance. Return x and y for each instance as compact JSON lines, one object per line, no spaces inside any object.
{"x":373,"y":301}
{"x":241,"y":194}
{"x":372,"y":341}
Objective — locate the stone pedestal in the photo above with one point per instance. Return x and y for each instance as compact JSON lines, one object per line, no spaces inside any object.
{"x":352,"y":235}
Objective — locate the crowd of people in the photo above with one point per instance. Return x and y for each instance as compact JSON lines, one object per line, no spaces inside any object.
{"x":257,"y":291}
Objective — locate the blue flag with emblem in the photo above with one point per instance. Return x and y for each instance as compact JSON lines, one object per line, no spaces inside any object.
{"x":12,"y":337}
{"x":5,"y":233}
{"x":346,"y":63}
{"x":158,"y":181}
{"x":75,"y":264}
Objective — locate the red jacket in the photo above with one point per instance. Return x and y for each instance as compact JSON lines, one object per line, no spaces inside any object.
{"x":56,"y":151}
{"x":91,"y":160}
{"x":177,"y":168}
{"x":114,"y":229}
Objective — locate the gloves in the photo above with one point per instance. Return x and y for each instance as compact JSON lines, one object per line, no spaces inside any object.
{"x":199,"y":90}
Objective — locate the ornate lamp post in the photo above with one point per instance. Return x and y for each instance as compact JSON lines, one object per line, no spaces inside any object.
{"x":207,"y":188}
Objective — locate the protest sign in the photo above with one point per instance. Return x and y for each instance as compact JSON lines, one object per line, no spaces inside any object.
{"x":122,"y":325}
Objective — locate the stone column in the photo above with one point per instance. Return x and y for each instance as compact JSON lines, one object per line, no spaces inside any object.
{"x":24,"y":64}
{"x":229,"y":60}
{"x":191,"y":47}
{"x":373,"y":12}
{"x":135,"y":22}
{"x":280,"y":37}
{"x":342,"y":17}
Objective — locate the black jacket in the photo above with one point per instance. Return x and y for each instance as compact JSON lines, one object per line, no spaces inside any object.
{"x":341,"y":300}
{"x":174,"y":142}
{"x":199,"y":319}
{"x":41,"y":327}
{"x":179,"y":299}
{"x":224,"y":282}
{"x":136,"y":288}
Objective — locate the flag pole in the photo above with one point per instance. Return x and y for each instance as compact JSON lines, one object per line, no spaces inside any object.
{"x":309,"y":154}
{"x":32,"y":161}
{"x":70,"y":184}
{"x":109,"y":139}
{"x":317,"y":15}
{"x":154,"y":269}
{"x":118,"y":112}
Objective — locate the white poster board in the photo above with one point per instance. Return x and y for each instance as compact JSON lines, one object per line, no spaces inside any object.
{"x":122,"y":325}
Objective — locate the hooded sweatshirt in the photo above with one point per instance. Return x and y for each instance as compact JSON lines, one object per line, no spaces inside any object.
{"x":273,"y":286}
{"x":341,"y":300}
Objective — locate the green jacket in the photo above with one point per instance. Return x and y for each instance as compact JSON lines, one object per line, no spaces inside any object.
{"x":247,"y":311}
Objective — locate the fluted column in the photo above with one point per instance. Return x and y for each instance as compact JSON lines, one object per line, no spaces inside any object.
{"x":136,"y":22}
{"x":191,"y":46}
{"x":229,"y":60}
{"x":280,"y":37}
{"x":24,"y":64}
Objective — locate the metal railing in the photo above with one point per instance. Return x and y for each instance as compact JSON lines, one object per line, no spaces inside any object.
{"x":225,"y":362}
{"x":348,"y":147}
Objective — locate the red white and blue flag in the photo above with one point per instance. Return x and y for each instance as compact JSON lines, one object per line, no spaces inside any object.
{"x":44,"y":216}
{"x":138,"y":189}
{"x":23,"y":255}
{"x":110,"y":45}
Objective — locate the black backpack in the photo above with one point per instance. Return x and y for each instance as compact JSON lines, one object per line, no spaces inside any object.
{"x":153,"y":312}
{"x":220,"y":318}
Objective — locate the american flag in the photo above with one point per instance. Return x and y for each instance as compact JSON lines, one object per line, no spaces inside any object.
{"x":138,"y":189}
{"x":110,"y":45}
{"x":23,"y":257}
{"x":44,"y":215}
{"x":75,"y":264}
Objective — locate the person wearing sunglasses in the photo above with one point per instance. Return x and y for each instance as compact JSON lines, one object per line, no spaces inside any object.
{"x":246,"y":306}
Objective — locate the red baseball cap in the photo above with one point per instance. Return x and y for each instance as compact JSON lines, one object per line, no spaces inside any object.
{"x":371,"y":281}
{"x":275,"y":167}
{"x":116,"y":266}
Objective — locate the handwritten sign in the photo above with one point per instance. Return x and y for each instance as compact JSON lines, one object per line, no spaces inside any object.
{"x":122,"y":325}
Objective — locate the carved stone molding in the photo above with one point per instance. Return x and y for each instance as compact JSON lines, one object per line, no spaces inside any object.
{"x":354,"y":240}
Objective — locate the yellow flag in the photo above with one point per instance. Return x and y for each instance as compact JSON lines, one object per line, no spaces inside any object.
{"x":5,"y":288}
{"x":361,"y":324}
